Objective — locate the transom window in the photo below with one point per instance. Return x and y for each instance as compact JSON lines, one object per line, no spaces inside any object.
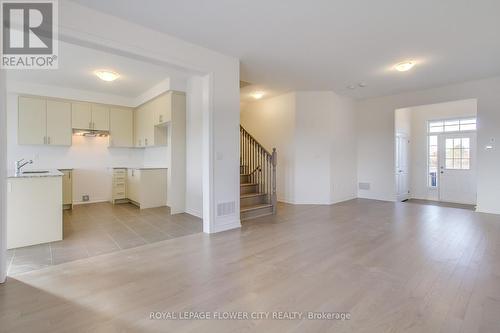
{"x":457,"y":154}
{"x":452,"y":125}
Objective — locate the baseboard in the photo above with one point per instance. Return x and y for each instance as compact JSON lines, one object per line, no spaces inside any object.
{"x":75,"y":203}
{"x":234,"y":224}
{"x":194,"y":212}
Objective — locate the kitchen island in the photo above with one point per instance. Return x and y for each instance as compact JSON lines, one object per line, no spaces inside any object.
{"x":34,"y":208}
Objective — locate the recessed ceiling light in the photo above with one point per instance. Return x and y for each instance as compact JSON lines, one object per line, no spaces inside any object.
{"x":404,"y":66}
{"x":106,"y":75}
{"x":351,"y":87}
{"x":258,"y":94}
{"x":362,"y":84}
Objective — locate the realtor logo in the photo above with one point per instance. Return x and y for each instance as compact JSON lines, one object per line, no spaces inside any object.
{"x":29,"y":34}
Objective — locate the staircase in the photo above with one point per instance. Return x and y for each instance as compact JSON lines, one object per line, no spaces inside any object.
{"x":257,"y":178}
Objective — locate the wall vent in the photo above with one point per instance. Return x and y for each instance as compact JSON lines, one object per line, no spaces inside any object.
{"x":226,"y":208}
{"x":364,"y":186}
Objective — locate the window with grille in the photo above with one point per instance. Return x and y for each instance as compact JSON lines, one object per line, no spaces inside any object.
{"x":457,"y":154}
{"x":433,"y":161}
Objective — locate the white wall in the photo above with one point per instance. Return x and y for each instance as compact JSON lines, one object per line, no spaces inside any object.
{"x":375,"y":121}
{"x":420,"y":115}
{"x":194,"y":128}
{"x":314,"y":136}
{"x":3,"y":177}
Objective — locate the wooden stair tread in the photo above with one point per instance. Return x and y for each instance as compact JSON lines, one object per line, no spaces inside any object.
{"x":249,"y":184}
{"x":254,"y":207}
{"x":249,"y":195}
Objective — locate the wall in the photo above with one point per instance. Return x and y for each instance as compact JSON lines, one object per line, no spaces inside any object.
{"x":314,"y":136}
{"x":194,"y":127}
{"x":3,"y":175}
{"x":375,"y":121}
{"x":420,"y":115}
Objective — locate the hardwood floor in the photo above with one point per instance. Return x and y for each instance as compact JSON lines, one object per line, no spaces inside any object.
{"x":394,"y":267}
{"x":95,"y":229}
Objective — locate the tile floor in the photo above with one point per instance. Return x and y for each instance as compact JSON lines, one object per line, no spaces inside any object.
{"x":94,"y":229}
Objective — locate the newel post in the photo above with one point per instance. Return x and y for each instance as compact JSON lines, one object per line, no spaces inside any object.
{"x":274,"y":199}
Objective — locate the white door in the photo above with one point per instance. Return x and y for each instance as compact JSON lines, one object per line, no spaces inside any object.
{"x":58,"y":123}
{"x":457,"y":168}
{"x":402,"y":175}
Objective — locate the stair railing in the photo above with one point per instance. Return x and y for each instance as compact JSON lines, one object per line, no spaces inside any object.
{"x":260,"y":165}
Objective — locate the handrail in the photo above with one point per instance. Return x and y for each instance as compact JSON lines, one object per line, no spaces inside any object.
{"x":254,"y":157}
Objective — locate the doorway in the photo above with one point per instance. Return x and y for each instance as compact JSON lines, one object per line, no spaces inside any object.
{"x":452,"y":164}
{"x":435,"y":153}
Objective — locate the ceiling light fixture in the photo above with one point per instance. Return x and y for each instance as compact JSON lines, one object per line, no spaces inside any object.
{"x":106,"y":75}
{"x":404,"y":66}
{"x":258,"y":94}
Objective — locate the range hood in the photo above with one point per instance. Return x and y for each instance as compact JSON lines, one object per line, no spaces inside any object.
{"x":90,"y":133}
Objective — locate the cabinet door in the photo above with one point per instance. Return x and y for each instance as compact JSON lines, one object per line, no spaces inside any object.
{"x":67,"y":187}
{"x":162,"y":108}
{"x":121,"y":127}
{"x":138,"y":128}
{"x":100,"y":117}
{"x":133,"y":178}
{"x":81,"y":115}
{"x":32,"y":117}
{"x":149,"y":126}
{"x":58,"y":123}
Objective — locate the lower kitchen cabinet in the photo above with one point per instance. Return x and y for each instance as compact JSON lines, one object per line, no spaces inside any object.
{"x":67,"y":183}
{"x":147,"y":188}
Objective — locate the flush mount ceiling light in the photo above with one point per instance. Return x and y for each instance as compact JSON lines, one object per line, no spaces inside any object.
{"x":258,"y":94}
{"x":404,"y":66}
{"x":105,"y":75}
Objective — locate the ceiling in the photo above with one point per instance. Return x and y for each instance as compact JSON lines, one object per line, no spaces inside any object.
{"x":331,"y":44}
{"x":76,"y":70}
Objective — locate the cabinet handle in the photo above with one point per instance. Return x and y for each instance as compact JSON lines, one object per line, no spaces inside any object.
{"x":161,"y":118}
{"x":145,"y":142}
{"x":44,"y":140}
{"x":48,"y":140}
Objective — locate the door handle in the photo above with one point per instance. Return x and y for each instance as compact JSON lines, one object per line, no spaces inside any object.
{"x":442,"y":172}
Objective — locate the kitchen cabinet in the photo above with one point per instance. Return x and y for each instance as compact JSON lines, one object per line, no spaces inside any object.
{"x":119,"y":181}
{"x":44,"y":121}
{"x":58,"y":123}
{"x":121,"y":127}
{"x":67,"y":185}
{"x":32,"y":121}
{"x":153,"y":118}
{"x":147,"y":188}
{"x":89,"y":116}
{"x":100,"y":117}
{"x":81,"y":115}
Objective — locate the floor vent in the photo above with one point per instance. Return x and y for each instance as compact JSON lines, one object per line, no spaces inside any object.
{"x":226,"y":208}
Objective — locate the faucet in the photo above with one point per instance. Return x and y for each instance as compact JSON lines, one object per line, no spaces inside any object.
{"x":20,"y":164}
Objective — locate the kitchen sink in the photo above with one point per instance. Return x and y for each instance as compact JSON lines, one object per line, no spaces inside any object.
{"x":28,"y":172}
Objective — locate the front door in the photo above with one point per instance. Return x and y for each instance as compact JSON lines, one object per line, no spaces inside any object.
{"x":457,"y":168}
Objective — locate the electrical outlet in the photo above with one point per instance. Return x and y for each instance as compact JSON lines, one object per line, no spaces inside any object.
{"x":85,"y":197}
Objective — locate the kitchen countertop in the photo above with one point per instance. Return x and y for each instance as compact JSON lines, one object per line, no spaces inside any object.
{"x":50,"y":173}
{"x":140,"y":168}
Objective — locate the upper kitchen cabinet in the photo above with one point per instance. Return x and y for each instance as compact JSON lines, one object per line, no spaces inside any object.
{"x":100,"y":117}
{"x":44,"y":121}
{"x":81,"y":114}
{"x":89,"y":116}
{"x":58,"y":123}
{"x":154,"y":118}
{"x":121,"y":127}
{"x":32,"y":121}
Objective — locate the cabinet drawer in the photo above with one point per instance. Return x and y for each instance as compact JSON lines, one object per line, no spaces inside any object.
{"x":119,"y":172}
{"x":119,"y":195}
{"x":119,"y":178}
{"x":118,"y":186}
